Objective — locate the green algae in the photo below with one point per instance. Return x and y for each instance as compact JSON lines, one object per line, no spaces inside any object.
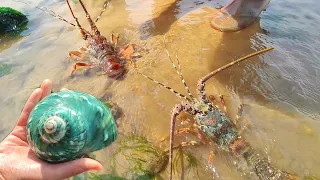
{"x":143,"y":160}
{"x":136,"y":158}
{"x":5,"y":69}
{"x":12,"y":20}
{"x":93,"y":176}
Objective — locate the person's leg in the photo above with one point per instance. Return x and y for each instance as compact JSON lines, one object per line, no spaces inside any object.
{"x":238,"y":14}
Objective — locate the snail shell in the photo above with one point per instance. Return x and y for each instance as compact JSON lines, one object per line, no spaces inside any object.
{"x":68,"y":125}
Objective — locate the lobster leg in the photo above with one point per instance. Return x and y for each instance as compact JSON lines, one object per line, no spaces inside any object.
{"x":115,"y":40}
{"x":185,"y":144}
{"x":138,"y":46}
{"x":83,"y":32}
{"x":127,"y":53}
{"x":215,"y":102}
{"x":78,"y":54}
{"x":186,"y":107}
{"x":245,"y":122}
{"x":203,"y":139}
{"x":176,"y":111}
{"x":197,"y":134}
{"x":223,"y":102}
{"x":211,"y":159}
{"x":239,"y":113}
{"x":92,"y":24}
{"x":80,"y":64}
{"x":202,"y":81}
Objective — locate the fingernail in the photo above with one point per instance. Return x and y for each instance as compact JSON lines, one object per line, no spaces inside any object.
{"x":95,"y":165}
{"x":38,"y":89}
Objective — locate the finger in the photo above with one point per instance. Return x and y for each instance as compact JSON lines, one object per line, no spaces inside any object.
{"x":72,"y":168}
{"x":46,"y":87}
{"x":30,"y":104}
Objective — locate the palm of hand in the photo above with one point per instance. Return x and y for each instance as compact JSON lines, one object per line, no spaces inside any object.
{"x":17,"y":160}
{"x":18,"y":157}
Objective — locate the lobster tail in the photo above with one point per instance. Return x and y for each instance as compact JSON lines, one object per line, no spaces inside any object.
{"x":260,"y":165}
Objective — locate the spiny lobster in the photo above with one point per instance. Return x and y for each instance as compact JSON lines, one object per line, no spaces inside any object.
{"x":102,"y":53}
{"x":213,"y":124}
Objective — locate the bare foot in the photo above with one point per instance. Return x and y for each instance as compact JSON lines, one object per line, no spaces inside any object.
{"x":238,"y":14}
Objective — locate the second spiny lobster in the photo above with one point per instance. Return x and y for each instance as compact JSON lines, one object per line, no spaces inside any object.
{"x":212,"y":125}
{"x":102,"y":53}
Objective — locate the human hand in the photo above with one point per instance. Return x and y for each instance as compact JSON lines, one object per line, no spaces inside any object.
{"x":17,"y":160}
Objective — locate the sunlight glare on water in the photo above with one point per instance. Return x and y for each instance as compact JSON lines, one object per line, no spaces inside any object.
{"x":280,"y":88}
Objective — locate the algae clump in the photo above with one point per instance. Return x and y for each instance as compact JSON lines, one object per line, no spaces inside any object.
{"x":11,"y":20}
{"x":5,"y":69}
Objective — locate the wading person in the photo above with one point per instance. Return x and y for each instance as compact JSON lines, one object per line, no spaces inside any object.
{"x":238,"y":14}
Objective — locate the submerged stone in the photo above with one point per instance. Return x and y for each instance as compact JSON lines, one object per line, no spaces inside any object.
{"x":11,"y":20}
{"x":5,"y":69}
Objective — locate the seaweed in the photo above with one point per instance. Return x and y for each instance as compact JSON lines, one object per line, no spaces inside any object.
{"x":136,"y":158}
{"x":142,"y":160}
{"x":12,"y":20}
{"x":93,"y":176}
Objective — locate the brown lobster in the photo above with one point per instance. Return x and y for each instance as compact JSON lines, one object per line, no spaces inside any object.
{"x":101,"y":52}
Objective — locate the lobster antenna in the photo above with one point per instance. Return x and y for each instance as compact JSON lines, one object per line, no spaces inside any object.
{"x":201,"y":82}
{"x":178,"y":71}
{"x":83,"y":32}
{"x":205,"y":78}
{"x":105,"y":5}
{"x":46,"y":10}
{"x":172,"y":90}
{"x":92,"y":24}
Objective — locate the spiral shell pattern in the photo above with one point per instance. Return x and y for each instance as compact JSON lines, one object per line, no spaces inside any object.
{"x":68,"y":125}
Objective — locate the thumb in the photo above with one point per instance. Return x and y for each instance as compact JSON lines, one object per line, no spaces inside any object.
{"x":73,"y":168}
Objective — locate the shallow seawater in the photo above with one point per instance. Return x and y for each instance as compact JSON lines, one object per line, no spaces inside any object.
{"x":279,"y":88}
